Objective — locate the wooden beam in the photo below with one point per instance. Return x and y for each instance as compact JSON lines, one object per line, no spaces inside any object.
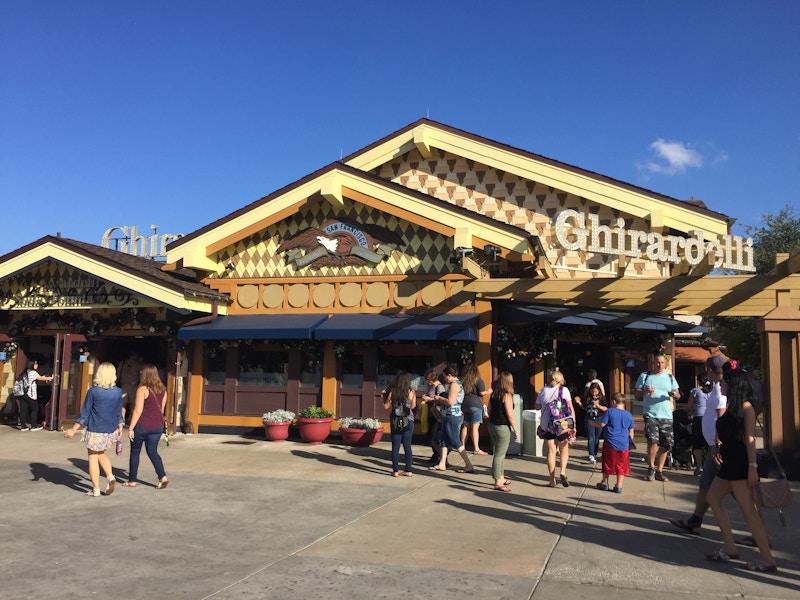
{"x":726,"y":295}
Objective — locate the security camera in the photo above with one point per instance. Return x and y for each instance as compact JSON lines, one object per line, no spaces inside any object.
{"x":460,"y":252}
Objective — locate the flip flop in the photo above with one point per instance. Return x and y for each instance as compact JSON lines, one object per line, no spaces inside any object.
{"x":436,"y":468}
{"x":758,"y":567}
{"x":129,"y":484}
{"x":162,"y":484}
{"x":93,"y":493}
{"x":681,"y":524}
{"x":502,"y":488}
{"x":507,"y":482}
{"x":480,"y":453}
{"x":721,"y":556}
{"x":110,"y":486}
{"x":407,"y":474}
{"x":465,"y":470}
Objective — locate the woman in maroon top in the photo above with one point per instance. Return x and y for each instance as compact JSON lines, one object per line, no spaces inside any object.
{"x":147,"y":425}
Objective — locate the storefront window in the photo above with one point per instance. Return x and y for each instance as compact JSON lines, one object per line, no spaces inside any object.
{"x":263,"y":364}
{"x":215,"y":358}
{"x":352,"y":362}
{"x":416,"y":359}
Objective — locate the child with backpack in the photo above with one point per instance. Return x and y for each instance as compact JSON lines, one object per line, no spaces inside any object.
{"x":618,"y":424}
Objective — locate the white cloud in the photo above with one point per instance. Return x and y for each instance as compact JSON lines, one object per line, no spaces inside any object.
{"x":672,"y":158}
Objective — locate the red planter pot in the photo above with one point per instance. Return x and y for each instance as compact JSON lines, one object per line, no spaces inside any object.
{"x":277,"y":432}
{"x":314,"y":431}
{"x":361,"y":437}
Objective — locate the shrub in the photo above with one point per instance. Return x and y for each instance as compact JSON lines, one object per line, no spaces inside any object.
{"x":315,"y":412}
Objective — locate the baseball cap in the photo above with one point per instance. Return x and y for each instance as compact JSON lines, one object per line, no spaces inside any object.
{"x":716,"y":362}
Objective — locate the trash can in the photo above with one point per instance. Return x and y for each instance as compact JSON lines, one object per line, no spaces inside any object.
{"x":515,"y":447}
{"x":531,"y":443}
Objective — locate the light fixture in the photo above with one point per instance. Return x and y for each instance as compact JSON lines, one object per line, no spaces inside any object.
{"x":230,"y":266}
{"x":460,"y":252}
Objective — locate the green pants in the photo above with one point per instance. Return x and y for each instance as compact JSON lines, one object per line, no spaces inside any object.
{"x":501,"y":438}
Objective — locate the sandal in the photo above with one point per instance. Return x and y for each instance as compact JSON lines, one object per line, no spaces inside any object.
{"x":552,"y":484}
{"x":93,"y":493}
{"x":465,"y":470}
{"x":110,"y":486}
{"x":502,"y":488}
{"x":480,"y":453}
{"x":564,"y":481}
{"x":758,"y":567}
{"x":721,"y":556}
{"x":162,"y":484}
{"x":436,"y":468}
{"x":129,"y":484}
{"x":407,"y":474}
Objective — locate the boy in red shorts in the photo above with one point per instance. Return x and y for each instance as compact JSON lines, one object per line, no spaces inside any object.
{"x":618,"y":424}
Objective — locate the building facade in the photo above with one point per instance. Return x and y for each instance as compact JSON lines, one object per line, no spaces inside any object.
{"x":433,"y":245}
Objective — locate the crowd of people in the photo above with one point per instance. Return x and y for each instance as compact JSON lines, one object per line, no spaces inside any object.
{"x":723,"y":407}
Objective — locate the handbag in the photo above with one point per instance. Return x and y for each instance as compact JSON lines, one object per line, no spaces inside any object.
{"x":775,"y":494}
{"x":563,"y":425}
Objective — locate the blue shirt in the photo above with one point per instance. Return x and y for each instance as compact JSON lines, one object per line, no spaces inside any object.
{"x":618,"y":423}
{"x":658,"y":405}
{"x":102,"y":410}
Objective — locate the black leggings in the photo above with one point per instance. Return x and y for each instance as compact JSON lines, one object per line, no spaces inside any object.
{"x":28,"y":412}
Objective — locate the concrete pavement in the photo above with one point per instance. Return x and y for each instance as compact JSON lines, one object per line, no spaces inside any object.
{"x":245,"y":518}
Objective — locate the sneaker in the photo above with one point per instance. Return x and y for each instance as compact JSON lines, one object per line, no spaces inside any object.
{"x":661,"y":477}
{"x":698,"y":471}
{"x":617,"y":490}
{"x":603,"y":487}
{"x":37,"y":428}
{"x":651,"y":473}
{"x":24,"y":428}
{"x":592,"y":459}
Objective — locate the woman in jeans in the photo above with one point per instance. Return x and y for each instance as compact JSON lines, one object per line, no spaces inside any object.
{"x":400,"y":393}
{"x":147,"y":425}
{"x":452,"y":420}
{"x":101,"y":414}
{"x":501,"y":427}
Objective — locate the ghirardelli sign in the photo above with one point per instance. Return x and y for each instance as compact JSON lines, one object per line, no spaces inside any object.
{"x":729,"y":251}
{"x":338,"y":243}
{"x":131,"y":242}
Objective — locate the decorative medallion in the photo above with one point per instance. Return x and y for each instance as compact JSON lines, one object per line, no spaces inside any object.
{"x":338,"y":243}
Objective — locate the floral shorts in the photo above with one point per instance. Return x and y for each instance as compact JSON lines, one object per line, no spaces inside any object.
{"x":99,"y":441}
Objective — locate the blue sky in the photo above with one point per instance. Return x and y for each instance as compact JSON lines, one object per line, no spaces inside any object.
{"x":179,"y":112}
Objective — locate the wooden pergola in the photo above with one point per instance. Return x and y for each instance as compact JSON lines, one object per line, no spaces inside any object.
{"x":773,"y":298}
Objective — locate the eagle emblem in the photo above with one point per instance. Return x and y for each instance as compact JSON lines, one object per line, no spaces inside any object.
{"x":338,"y":243}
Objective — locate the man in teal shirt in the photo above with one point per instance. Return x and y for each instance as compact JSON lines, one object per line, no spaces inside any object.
{"x":659,"y":391}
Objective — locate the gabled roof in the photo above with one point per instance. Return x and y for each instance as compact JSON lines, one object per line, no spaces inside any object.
{"x":332,"y":183}
{"x":425,"y":134}
{"x":141,"y":276}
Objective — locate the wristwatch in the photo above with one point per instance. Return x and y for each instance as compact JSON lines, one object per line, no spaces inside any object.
{"x":753,"y":465}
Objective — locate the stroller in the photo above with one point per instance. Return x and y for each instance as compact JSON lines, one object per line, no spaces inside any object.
{"x":681,"y":456}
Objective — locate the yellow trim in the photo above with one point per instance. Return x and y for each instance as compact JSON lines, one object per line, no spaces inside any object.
{"x":196,"y":253}
{"x":96,"y":267}
{"x":635,"y":203}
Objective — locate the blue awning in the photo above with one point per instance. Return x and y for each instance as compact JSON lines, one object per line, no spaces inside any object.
{"x":453,"y":326}
{"x":250,"y":327}
{"x":597,"y":317}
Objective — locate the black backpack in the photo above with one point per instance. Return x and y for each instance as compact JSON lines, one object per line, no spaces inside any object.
{"x":400,"y":418}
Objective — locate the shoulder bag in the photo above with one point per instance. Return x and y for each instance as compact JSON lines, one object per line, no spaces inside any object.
{"x":775,"y":494}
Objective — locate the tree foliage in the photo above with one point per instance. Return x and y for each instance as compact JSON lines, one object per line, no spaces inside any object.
{"x":777,"y":233}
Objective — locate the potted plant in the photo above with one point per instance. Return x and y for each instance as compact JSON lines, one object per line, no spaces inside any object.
{"x":276,"y":424}
{"x":314,"y":423}
{"x":360,"y":432}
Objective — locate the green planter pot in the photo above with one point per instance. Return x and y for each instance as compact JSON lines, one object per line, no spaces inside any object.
{"x":361,"y":437}
{"x":277,"y":432}
{"x":314,"y":431}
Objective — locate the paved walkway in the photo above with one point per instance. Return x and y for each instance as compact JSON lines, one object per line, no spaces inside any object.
{"x":245,"y":518}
